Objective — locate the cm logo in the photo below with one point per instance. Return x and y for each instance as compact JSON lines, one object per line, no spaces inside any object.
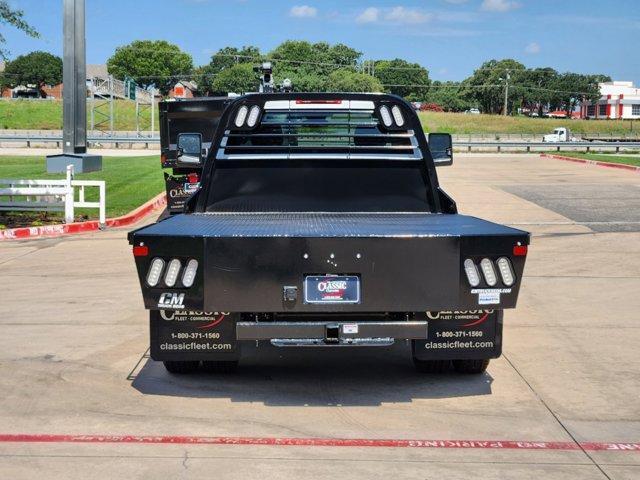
{"x":171,"y":300}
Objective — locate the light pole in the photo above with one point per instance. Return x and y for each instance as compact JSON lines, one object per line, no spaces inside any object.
{"x":506,"y":93}
{"x":74,"y":95}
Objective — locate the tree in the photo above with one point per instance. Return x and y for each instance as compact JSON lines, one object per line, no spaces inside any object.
{"x":8,"y":16}
{"x":345,"y":80}
{"x":309,"y":65}
{"x":573,"y":88}
{"x":409,"y":80}
{"x":537,"y":91}
{"x":239,"y":78}
{"x":151,"y":62}
{"x":314,"y":58}
{"x":449,"y":95}
{"x":223,"y":59}
{"x":487,"y":84}
{"x":35,"y":68}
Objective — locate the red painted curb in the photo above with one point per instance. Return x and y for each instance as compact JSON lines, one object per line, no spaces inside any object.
{"x":320,"y":442}
{"x":82,"y":227}
{"x":620,"y":166}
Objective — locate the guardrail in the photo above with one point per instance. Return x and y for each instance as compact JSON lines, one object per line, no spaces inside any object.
{"x":460,"y":144}
{"x":57,"y":139}
{"x":59,"y":195}
{"x":548,"y":146}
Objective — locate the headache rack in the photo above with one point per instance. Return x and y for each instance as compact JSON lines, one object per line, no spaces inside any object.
{"x":331,"y":130}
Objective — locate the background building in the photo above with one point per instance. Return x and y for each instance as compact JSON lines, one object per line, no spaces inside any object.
{"x":619,"y":100}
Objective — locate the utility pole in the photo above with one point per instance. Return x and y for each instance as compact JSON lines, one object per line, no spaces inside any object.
{"x":506,"y":93}
{"x":74,"y":94}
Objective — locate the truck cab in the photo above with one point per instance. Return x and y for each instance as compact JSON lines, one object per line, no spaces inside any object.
{"x":185,"y":123}
{"x":319,"y":221}
{"x":560,"y":134}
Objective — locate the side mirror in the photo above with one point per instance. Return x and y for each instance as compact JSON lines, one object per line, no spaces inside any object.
{"x":189,"y":149}
{"x":441,"y":147}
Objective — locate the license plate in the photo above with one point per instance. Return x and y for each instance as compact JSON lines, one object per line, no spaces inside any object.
{"x":332,"y":289}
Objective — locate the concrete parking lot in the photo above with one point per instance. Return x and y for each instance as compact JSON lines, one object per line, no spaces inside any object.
{"x":74,"y":340}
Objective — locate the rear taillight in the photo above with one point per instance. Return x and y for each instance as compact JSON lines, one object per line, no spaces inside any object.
{"x":140,"y":251}
{"x":189,"y":274}
{"x":472,"y":272}
{"x":172,"y":273}
{"x":155,"y":270}
{"x":489,"y":272}
{"x":520,"y":250}
{"x":506,"y":272}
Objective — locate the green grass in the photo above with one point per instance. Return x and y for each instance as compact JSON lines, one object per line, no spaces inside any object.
{"x":602,"y":158}
{"x":130,"y":181}
{"x":459,"y":123}
{"x":47,"y":115}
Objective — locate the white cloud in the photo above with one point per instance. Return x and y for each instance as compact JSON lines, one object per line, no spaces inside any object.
{"x":303,"y":11}
{"x":532,"y":48}
{"x":499,"y":5}
{"x":369,"y":15}
{"x":407,"y":15}
{"x":396,"y":15}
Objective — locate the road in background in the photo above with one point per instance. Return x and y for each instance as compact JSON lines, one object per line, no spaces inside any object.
{"x":72,"y":360}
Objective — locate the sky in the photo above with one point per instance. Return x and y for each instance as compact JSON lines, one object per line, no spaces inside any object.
{"x":449,"y":37}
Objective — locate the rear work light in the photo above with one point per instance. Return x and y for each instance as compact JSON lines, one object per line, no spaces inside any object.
{"x":189,"y":274}
{"x":386,"y":116}
{"x":155,"y":270}
{"x":506,"y":272}
{"x":472,"y":272}
{"x":489,"y":272}
{"x":241,"y":116}
{"x":253,"y":116}
{"x":172,"y":273}
{"x":397,"y":115}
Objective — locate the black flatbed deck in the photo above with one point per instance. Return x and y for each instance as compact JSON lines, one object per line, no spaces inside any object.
{"x":325,"y":224}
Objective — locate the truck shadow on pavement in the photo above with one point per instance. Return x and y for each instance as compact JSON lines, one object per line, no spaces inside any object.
{"x":315,"y":377}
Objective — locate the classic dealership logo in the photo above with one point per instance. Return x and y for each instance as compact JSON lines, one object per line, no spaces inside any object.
{"x":171,"y":300}
{"x":177,"y":192}
{"x":332,"y":286}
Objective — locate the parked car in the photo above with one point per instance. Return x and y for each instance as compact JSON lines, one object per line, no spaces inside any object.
{"x":472,"y":111}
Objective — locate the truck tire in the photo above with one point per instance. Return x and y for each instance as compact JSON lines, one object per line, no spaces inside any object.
{"x":220,"y":367}
{"x":473,"y":367}
{"x":431,"y":366}
{"x":180,"y":367}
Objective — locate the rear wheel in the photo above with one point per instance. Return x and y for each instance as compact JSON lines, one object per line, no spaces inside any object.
{"x":220,"y":367}
{"x":181,"y":367}
{"x":431,"y":366}
{"x":471,"y":366}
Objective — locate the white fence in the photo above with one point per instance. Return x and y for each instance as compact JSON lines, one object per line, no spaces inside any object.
{"x":51,"y":195}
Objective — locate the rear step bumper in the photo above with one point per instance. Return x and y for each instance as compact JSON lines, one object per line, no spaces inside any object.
{"x":311,"y":334}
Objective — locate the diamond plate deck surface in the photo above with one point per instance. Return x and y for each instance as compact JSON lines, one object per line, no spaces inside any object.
{"x":312,"y":224}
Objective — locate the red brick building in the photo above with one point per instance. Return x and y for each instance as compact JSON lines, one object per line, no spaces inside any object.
{"x":183,"y":89}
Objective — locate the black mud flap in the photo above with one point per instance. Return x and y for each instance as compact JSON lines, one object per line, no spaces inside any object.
{"x":461,"y":335}
{"x":186,"y":335}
